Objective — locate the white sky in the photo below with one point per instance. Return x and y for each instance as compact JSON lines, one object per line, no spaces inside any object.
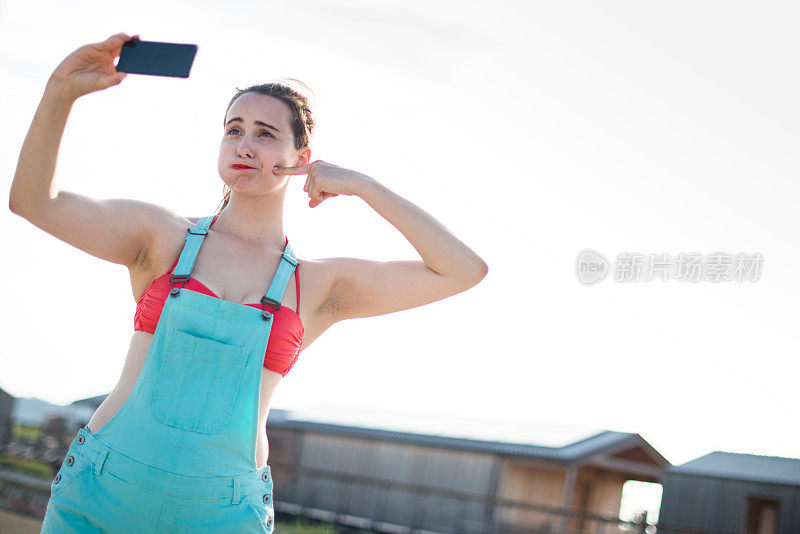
{"x":532,"y":131}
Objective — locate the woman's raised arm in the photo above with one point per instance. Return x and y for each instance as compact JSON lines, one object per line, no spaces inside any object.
{"x":116,"y":230}
{"x":365,"y":288}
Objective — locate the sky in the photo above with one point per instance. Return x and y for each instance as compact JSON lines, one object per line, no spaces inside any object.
{"x":532,"y":131}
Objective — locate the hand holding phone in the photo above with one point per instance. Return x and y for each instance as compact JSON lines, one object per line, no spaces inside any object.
{"x":91,"y":67}
{"x":156,"y":59}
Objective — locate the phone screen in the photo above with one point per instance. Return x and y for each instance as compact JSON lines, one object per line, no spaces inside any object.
{"x":156,"y":59}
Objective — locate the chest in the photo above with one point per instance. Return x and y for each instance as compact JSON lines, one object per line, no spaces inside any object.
{"x":240,"y":272}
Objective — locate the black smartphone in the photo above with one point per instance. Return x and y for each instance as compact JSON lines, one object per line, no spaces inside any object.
{"x":156,"y":59}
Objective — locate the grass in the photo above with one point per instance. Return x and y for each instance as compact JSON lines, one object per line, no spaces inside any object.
{"x":303,"y":527}
{"x":27,"y":433}
{"x":34,"y":467}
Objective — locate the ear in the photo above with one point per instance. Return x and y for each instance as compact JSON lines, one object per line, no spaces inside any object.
{"x":303,"y":157}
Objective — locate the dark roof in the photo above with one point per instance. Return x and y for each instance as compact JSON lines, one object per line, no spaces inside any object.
{"x":548,"y":442}
{"x":718,"y":464}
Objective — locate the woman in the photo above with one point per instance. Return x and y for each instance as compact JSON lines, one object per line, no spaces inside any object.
{"x":180,"y":443}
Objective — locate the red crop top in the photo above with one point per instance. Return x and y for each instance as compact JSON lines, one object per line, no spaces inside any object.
{"x":285,"y":338}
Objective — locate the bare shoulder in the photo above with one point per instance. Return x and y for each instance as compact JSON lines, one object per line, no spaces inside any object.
{"x":168,"y":233}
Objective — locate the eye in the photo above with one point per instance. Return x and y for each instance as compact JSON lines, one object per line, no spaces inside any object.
{"x":263,"y":131}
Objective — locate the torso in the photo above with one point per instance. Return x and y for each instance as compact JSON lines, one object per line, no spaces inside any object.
{"x":243,"y":282}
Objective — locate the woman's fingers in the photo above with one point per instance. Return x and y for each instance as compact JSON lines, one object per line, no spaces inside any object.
{"x":317,"y":179}
{"x":120,"y":36}
{"x":314,"y":202}
{"x":117,"y":78}
{"x":301,"y":169}
{"x":116,"y":41}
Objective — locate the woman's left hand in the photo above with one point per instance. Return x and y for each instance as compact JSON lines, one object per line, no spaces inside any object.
{"x":326,"y":180}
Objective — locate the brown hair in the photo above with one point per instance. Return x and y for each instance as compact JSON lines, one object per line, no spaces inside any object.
{"x":295,"y":94}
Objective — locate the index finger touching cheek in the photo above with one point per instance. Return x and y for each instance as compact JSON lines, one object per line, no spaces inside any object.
{"x":301,"y":169}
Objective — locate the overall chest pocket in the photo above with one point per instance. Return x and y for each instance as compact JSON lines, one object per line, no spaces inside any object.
{"x":198,"y":382}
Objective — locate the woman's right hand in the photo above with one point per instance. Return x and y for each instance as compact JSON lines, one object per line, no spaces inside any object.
{"x":91,"y":67}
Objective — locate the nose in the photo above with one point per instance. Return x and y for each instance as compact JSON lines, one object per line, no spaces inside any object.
{"x":244,"y":149}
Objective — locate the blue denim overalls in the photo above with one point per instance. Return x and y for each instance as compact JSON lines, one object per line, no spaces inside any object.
{"x":179,"y":455}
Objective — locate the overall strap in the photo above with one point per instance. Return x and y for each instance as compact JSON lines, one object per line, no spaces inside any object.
{"x":194,"y":239}
{"x":278,"y":286}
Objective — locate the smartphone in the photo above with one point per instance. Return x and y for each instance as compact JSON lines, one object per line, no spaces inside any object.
{"x":156,"y":59}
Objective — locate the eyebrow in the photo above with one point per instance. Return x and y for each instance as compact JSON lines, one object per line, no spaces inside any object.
{"x":258,"y":123}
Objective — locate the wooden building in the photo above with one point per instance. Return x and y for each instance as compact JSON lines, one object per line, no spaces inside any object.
{"x":6,"y":422}
{"x":732,"y":493}
{"x":448,"y":475}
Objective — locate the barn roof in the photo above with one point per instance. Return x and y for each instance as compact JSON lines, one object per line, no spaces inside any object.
{"x":557,"y":442}
{"x":769,"y":469}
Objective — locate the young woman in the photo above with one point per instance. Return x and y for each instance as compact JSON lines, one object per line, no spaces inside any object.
{"x":180,"y":444}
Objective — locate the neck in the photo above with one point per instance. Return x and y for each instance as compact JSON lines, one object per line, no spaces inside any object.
{"x":257,"y":220}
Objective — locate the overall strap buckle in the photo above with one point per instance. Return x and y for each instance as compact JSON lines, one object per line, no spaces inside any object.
{"x":194,"y":239}
{"x":265,"y":314}
{"x":276,"y":288}
{"x":290,"y":259}
{"x":181,"y":279}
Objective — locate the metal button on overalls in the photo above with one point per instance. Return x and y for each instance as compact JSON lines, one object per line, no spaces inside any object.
{"x":179,"y":455}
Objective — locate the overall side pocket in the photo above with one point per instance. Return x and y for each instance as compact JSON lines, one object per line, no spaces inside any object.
{"x":69,"y":474}
{"x":198,"y":382}
{"x":263,"y":515}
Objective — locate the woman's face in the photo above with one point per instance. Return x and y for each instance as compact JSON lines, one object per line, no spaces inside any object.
{"x":258,"y":134}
